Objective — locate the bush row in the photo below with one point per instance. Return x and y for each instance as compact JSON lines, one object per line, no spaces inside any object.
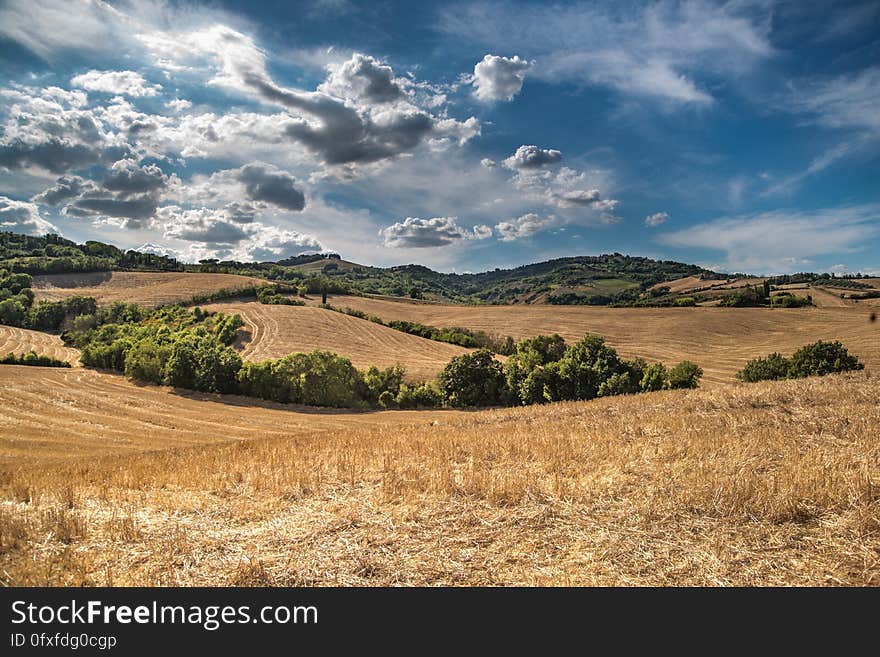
{"x":190,"y":349}
{"x":545,"y":369}
{"x":31,"y":358}
{"x":457,"y":335}
{"x":816,"y":359}
{"x":17,"y":307}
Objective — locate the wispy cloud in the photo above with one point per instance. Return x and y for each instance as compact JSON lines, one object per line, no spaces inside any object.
{"x":661,"y":51}
{"x":779,"y":241}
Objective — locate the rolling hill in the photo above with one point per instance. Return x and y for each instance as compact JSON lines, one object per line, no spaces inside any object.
{"x":720,"y":340}
{"x":752,"y":485}
{"x":149,"y":289}
{"x":20,"y":341}
{"x":275,"y":331}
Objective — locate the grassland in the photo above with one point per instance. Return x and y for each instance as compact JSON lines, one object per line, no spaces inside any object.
{"x":149,"y":289}
{"x":774,"y":483}
{"x":20,"y":341}
{"x":275,"y":331}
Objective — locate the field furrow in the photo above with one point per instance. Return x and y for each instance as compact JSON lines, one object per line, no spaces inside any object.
{"x":720,"y":340}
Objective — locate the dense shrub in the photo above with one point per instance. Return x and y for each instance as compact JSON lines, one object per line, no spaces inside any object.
{"x":821,"y":358}
{"x":529,"y":381}
{"x":31,"y":358}
{"x":268,"y":294}
{"x":420,"y":396}
{"x":226,"y":327}
{"x":787,"y":300}
{"x":146,"y":361}
{"x":382,"y":382}
{"x":775,"y":366}
{"x":318,"y":378}
{"x":198,"y":361}
{"x":685,"y":375}
{"x":12,"y":312}
{"x":474,"y":379}
{"x":816,"y":359}
{"x":51,"y":315}
{"x":747,"y":297}
{"x":655,"y":378}
{"x":586,"y":366}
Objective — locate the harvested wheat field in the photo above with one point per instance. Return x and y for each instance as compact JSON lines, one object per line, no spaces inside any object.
{"x":51,"y":414}
{"x":720,"y":340}
{"x":764,"y":484}
{"x":689,"y":283}
{"x":20,"y":341}
{"x":146,"y":288}
{"x":275,"y":331}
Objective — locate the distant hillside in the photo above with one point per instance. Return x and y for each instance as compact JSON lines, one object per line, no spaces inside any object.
{"x":594,"y":280}
{"x":52,"y":254}
{"x":612,"y":279}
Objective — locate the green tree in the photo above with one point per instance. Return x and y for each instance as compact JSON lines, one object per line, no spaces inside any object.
{"x":585,"y":367}
{"x":378,"y":382}
{"x":199,"y":361}
{"x":12,"y":312}
{"x":528,"y":379}
{"x":775,"y":366}
{"x":655,"y":378}
{"x":474,"y":379}
{"x":146,"y":361}
{"x":421,"y":396}
{"x":685,"y":375}
{"x":821,"y":358}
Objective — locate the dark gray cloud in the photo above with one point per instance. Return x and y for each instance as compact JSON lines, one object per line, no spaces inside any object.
{"x":212,"y":227}
{"x":263,"y":182}
{"x":580,"y":197}
{"x":57,"y":155}
{"x":342,"y":135}
{"x":49,"y":128}
{"x":65,"y":188}
{"x":128,"y":192}
{"x":126,"y":178}
{"x":532,"y":157}
{"x":242,"y":213}
{"x":359,"y":114}
{"x":138,"y":209}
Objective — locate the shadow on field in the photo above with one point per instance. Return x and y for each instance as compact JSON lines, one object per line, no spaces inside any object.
{"x":253,"y":402}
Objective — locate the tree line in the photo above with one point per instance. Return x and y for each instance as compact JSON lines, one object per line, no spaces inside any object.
{"x":457,"y":335}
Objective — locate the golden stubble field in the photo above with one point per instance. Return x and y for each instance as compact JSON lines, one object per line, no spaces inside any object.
{"x":20,"y":341}
{"x":275,"y":331}
{"x":103,"y":481}
{"x":774,"y":483}
{"x":720,"y":340}
{"x":145,"y":288}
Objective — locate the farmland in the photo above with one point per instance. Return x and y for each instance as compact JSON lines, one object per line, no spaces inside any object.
{"x":763,"y":484}
{"x":20,"y":341}
{"x":145,"y":288}
{"x":720,"y":340}
{"x":104,"y":481}
{"x":275,"y":331}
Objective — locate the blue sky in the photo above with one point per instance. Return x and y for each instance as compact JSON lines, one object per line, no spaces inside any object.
{"x":743,"y":136}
